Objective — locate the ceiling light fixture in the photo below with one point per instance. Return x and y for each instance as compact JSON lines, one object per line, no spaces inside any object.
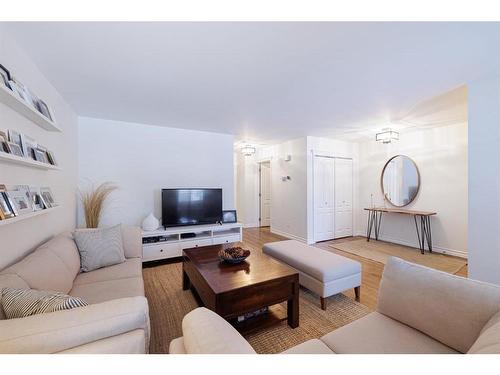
{"x":248,"y":150}
{"x":387,"y":135}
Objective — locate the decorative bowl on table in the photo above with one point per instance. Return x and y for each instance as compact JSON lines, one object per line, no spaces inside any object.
{"x":233,"y":255}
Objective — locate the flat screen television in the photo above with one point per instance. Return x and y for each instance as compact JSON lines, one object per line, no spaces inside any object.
{"x":191,"y":206}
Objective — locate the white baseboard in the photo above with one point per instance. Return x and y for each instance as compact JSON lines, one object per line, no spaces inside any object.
{"x":288,"y":235}
{"x":251,"y":225}
{"x":437,"y":249}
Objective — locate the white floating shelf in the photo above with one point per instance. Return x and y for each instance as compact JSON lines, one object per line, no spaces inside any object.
{"x":27,"y":216}
{"x":19,"y":160}
{"x":20,"y":106}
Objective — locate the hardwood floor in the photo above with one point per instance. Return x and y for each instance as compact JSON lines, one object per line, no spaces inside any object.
{"x":254,"y":238}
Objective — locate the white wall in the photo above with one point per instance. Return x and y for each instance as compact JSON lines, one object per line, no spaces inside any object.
{"x":484,"y":179}
{"x":333,"y":148}
{"x":441,"y":157}
{"x":143,"y":159}
{"x":20,"y":238}
{"x":289,"y":198}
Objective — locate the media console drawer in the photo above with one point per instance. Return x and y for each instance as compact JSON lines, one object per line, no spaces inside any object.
{"x":161,"y":251}
{"x":226,"y":239}
{"x":195,"y":243}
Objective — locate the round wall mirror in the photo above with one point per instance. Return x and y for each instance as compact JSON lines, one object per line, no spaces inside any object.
{"x":400,"y":180}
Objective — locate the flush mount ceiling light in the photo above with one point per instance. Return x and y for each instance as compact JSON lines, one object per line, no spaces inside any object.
{"x":248,"y":150}
{"x":387,"y":135}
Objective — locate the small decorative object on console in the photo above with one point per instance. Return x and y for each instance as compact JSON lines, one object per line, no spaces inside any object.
{"x":234,"y":254}
{"x":229,"y":216}
{"x":150,"y":223}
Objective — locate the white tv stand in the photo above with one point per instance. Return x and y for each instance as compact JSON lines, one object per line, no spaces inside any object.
{"x":172,"y":242}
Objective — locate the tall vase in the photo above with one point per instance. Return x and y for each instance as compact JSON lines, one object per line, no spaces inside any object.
{"x":150,"y":223}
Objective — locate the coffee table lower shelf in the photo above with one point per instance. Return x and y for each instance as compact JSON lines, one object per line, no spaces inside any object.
{"x":275,"y":315}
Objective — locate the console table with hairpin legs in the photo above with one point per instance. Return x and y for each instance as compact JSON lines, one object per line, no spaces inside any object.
{"x":424,"y":232}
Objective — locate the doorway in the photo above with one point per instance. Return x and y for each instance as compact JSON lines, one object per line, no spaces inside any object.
{"x":265,"y":194}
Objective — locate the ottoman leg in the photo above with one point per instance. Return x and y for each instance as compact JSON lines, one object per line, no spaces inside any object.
{"x":356,"y":292}
{"x":323,"y":303}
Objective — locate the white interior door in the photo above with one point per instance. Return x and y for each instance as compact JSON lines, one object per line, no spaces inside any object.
{"x":343,"y":198}
{"x":323,"y":198}
{"x":265,"y":194}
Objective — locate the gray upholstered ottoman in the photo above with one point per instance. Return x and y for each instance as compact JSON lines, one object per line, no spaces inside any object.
{"x":320,"y":271}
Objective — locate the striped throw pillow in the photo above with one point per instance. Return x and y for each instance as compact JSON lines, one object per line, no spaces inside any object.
{"x":20,"y":303}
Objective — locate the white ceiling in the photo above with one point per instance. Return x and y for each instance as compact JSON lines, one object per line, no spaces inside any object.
{"x":258,"y":81}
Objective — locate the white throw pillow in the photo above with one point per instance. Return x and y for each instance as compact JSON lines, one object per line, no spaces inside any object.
{"x":100,"y":247}
{"x":20,"y":303}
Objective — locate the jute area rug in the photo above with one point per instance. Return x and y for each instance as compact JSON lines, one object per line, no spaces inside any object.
{"x":380,"y":251}
{"x":168,"y":304}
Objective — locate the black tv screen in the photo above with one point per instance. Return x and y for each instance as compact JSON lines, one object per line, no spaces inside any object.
{"x":191,"y":206}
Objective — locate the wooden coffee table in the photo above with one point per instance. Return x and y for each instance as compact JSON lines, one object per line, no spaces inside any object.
{"x":232,"y":290}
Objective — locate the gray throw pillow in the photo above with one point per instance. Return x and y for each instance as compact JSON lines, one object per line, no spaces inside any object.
{"x":20,"y":303}
{"x":100,"y":247}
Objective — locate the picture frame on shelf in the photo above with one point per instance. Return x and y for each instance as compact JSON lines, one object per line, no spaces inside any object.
{"x":31,"y":146}
{"x":20,"y":201}
{"x":25,"y":94}
{"x":37,"y":200}
{"x":6,"y":210}
{"x":44,"y":109}
{"x":5,"y":77}
{"x":2,"y":215}
{"x":9,"y":206}
{"x":16,"y":90}
{"x":26,"y":144}
{"x":31,"y":153}
{"x":19,"y":88}
{"x":3,"y":140}
{"x":48,"y":197}
{"x":14,"y":149}
{"x":15,"y":137}
{"x":33,"y":98}
{"x":40,"y":155}
{"x":24,"y":189}
{"x":51,"y":158}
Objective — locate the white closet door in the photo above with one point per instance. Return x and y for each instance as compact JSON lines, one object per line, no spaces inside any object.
{"x":323,"y":198}
{"x":265,"y":194}
{"x":343,"y":198}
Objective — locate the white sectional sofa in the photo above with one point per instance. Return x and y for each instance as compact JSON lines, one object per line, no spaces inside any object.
{"x":116,"y":320}
{"x":420,"y":310}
